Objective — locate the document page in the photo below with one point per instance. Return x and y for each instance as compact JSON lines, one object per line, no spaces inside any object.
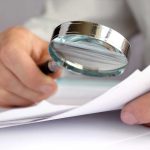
{"x":80,"y":97}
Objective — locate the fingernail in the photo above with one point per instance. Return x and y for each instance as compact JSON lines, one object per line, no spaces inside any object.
{"x":128,"y":118}
{"x":46,"y":89}
{"x":53,"y":66}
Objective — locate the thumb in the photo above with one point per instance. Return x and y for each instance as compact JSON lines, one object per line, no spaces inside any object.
{"x":41,"y":56}
{"x":40,"y":52}
{"x":137,"y":111}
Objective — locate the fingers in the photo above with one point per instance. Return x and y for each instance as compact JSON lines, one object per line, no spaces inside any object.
{"x":25,"y":69}
{"x":9,"y":82}
{"x":8,"y":99}
{"x":41,"y":55}
{"x":53,"y":67}
{"x":137,"y":111}
{"x":20,"y":54}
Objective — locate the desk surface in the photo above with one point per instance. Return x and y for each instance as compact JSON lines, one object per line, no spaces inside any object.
{"x":104,"y":130}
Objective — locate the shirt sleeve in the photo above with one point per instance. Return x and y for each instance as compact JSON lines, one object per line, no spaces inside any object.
{"x":113,"y":13}
{"x":42,"y":26}
{"x":141,"y":11}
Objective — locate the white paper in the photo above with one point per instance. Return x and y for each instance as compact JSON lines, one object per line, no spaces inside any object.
{"x":86,"y":100}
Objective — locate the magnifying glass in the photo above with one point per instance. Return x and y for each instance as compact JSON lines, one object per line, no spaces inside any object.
{"x":88,"y":48}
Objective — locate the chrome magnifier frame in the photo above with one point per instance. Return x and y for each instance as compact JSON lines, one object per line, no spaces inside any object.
{"x":107,"y":37}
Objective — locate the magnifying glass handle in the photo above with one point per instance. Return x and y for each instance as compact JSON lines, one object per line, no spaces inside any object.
{"x":48,"y":67}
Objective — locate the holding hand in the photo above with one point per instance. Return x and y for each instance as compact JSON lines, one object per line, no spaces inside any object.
{"x":21,"y":81}
{"x":137,"y":111}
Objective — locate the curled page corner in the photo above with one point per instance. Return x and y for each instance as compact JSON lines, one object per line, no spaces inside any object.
{"x":135,"y":85}
{"x":115,"y":98}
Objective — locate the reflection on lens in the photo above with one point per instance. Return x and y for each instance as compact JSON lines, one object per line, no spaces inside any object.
{"x":87,"y":55}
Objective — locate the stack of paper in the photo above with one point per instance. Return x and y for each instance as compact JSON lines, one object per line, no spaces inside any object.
{"x":80,"y":97}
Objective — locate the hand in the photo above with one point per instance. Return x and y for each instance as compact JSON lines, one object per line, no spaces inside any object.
{"x":21,"y":81}
{"x":137,"y":111}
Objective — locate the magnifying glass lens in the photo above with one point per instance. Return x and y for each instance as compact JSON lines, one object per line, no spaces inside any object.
{"x":89,"y":48}
{"x":87,"y":55}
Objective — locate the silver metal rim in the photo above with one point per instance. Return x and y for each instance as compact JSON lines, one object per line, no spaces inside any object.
{"x":108,"y":36}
